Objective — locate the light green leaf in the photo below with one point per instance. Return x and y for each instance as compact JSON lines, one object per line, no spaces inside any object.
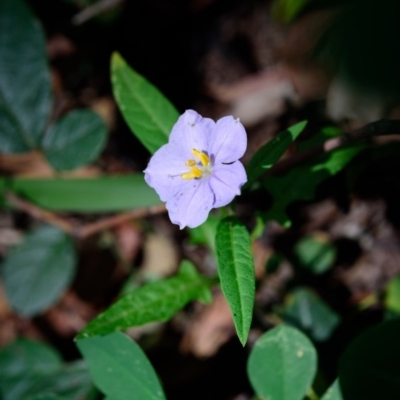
{"x":75,"y":140}
{"x":38,"y":270}
{"x":300,"y":182}
{"x":333,"y":393}
{"x":103,"y":194}
{"x":157,"y":301}
{"x":236,"y":272}
{"x":287,"y":10}
{"x":282,"y":364}
{"x":370,"y":368}
{"x":25,"y":97}
{"x":315,"y":253}
{"x":120,"y":369}
{"x":146,"y":111}
{"x":270,"y":153}
{"x":392,"y":298}
{"x":308,"y":312}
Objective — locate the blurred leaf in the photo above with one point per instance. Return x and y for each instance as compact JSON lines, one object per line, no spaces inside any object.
{"x":370,"y":368}
{"x":38,"y":270}
{"x":308,"y":312}
{"x":236,"y":272}
{"x":205,"y":233}
{"x":300,"y":182}
{"x":287,"y":10}
{"x":75,"y":140}
{"x":392,"y":298}
{"x":25,"y":98}
{"x":157,"y":301}
{"x":325,"y":133}
{"x":282,"y":364}
{"x":31,"y":369}
{"x":145,"y":109}
{"x":47,"y":396}
{"x":333,"y":393}
{"x":315,"y":253}
{"x":120,"y":369}
{"x":103,"y":194}
{"x":270,"y":153}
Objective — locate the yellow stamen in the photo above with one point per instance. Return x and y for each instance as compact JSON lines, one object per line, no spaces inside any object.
{"x":203,"y":157}
{"x":190,"y":163}
{"x":193,"y":173}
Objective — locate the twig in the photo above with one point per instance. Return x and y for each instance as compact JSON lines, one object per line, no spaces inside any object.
{"x":84,"y":230}
{"x":377,"y":128}
{"x":37,"y":212}
{"x":105,"y":223}
{"x":93,"y":10}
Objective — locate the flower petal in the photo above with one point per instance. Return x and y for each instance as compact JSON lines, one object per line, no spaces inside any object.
{"x":190,"y":205}
{"x":164,"y":171}
{"x":228,"y":141}
{"x":226,"y":181}
{"x":191,"y":131}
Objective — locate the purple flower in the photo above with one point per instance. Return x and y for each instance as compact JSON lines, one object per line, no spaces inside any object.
{"x":198,"y":169}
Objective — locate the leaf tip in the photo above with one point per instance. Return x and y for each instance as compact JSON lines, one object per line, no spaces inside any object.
{"x":117,"y":60}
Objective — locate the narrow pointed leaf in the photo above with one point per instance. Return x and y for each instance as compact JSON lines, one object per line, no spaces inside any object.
{"x":102,"y":194}
{"x":282,"y":364}
{"x":270,"y":153}
{"x":120,"y":369}
{"x":37,"y":271}
{"x":75,"y":140}
{"x":333,"y":392}
{"x":157,"y":301}
{"x":146,"y":110}
{"x":236,"y":272}
{"x":25,"y":96}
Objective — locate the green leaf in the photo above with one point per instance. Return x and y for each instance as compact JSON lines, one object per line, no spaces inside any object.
{"x":333,"y":393}
{"x":300,"y":182}
{"x":315,"y":253}
{"x":392,"y":298}
{"x":370,"y":368}
{"x":46,"y":396}
{"x":120,"y":369}
{"x":146,"y":111}
{"x":308,"y":312}
{"x":282,"y":364}
{"x":287,"y":10}
{"x":38,"y":270}
{"x":236,"y":272}
{"x":156,"y":301}
{"x":270,"y":153}
{"x":103,"y":194}
{"x":25,"y":97}
{"x":75,"y":140}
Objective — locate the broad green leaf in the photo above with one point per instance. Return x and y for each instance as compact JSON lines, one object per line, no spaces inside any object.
{"x":38,"y":270}
{"x":315,"y":253}
{"x":300,"y":182}
{"x":146,"y":111}
{"x":270,"y":153}
{"x":287,"y":10}
{"x":119,"y":368}
{"x":392,"y":298}
{"x":370,"y":368}
{"x":309,"y":313}
{"x":156,"y":301}
{"x":333,"y":393}
{"x":25,"y":97}
{"x":75,"y":140}
{"x":103,"y":194}
{"x":236,"y":272}
{"x":282,"y":364}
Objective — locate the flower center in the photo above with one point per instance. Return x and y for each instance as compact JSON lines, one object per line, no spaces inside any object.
{"x":197,"y":170}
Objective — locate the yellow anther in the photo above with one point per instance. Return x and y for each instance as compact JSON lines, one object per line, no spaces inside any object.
{"x":193,"y":173}
{"x":190,"y":163}
{"x":203,"y":157}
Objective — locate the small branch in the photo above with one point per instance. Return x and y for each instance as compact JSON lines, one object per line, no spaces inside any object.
{"x":377,"y":128}
{"x":37,"y":212}
{"x":84,"y":230}
{"x":95,"y":9}
{"x":106,"y":223}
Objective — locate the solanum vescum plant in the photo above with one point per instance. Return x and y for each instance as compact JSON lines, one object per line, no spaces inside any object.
{"x":220,"y":244}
